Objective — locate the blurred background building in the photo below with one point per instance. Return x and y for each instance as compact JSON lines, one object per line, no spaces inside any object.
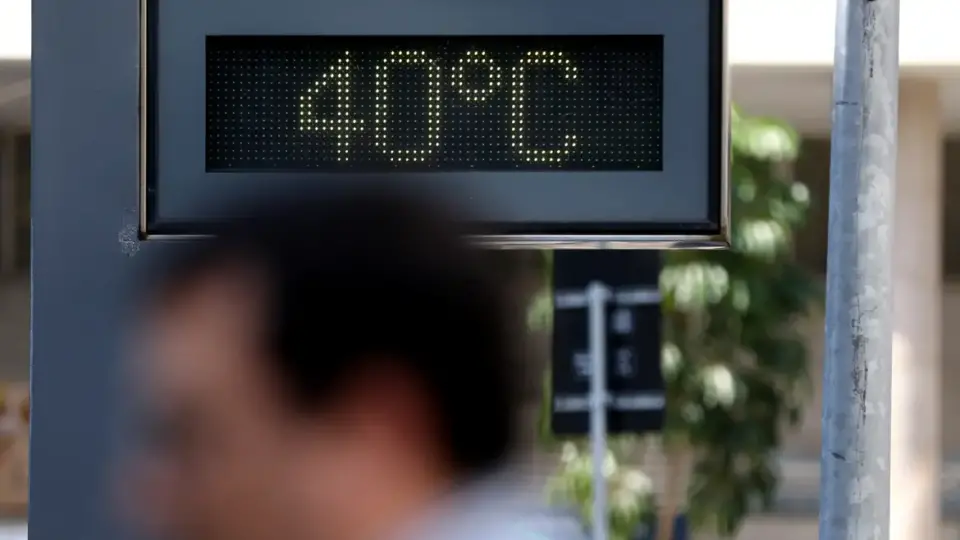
{"x":781,"y":53}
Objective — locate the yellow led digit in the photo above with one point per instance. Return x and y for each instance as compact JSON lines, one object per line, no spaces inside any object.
{"x":343,"y":125}
{"x":537,"y":60}
{"x":479,"y":59}
{"x":407,"y":58}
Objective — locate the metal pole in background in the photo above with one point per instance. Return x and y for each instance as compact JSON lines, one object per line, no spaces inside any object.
{"x":855,"y":453}
{"x":597,"y":296}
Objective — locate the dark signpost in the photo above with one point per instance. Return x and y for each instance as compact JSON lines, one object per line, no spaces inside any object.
{"x":606,"y":353}
{"x":631,"y":352}
{"x":606,"y":357}
{"x":563,"y":123}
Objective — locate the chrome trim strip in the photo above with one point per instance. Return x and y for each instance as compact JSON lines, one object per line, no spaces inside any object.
{"x":660,"y":242}
{"x":142,"y":173}
{"x":725,"y":134}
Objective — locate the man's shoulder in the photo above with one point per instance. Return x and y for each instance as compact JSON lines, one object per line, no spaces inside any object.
{"x":541,"y":524}
{"x":502,"y":508}
{"x":548,"y":524}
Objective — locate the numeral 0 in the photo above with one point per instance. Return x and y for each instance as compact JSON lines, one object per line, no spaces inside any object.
{"x":416,"y":58}
{"x":344,"y":125}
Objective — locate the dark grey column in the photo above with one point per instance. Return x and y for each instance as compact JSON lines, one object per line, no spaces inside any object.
{"x":84,"y":160}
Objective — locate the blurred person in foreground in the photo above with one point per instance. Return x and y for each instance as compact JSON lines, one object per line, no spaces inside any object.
{"x":334,"y":368}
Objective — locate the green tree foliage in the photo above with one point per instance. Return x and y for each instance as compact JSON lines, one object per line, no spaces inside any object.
{"x":631,"y":501}
{"x":734,"y":363}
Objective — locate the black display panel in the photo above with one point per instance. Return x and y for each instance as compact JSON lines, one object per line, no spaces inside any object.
{"x":496,"y":103}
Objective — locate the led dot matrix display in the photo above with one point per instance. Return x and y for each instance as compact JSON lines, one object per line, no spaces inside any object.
{"x":434,"y":103}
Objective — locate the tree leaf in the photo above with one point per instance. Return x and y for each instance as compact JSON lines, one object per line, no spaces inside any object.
{"x":736,"y":370}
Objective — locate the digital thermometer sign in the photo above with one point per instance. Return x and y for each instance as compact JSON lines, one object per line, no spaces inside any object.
{"x":553,"y":122}
{"x":434,"y":103}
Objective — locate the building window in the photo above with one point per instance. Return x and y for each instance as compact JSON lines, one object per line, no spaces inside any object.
{"x":14,"y":203}
{"x":23,"y":203}
{"x":951,"y":220}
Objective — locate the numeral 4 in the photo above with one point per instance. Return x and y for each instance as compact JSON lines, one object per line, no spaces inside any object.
{"x":343,"y":125}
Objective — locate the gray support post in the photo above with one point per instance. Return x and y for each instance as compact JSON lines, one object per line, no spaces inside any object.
{"x":597,"y":296}
{"x":855,"y":456}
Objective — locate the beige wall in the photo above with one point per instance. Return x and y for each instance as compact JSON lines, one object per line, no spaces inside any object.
{"x":803,"y":529}
{"x":813,"y":168}
{"x":805,"y":443}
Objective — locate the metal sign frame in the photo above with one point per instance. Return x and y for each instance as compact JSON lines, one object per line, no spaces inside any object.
{"x":633,"y":234}
{"x":89,"y":143}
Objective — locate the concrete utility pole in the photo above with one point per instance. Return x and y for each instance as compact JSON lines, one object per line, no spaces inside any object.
{"x":855,"y":456}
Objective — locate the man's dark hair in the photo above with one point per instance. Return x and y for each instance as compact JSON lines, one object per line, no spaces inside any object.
{"x":375,"y":275}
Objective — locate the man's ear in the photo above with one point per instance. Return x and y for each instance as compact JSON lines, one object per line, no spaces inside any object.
{"x":388,"y":399}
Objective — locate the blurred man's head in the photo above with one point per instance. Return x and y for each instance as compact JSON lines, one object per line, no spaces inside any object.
{"x":321,"y":370}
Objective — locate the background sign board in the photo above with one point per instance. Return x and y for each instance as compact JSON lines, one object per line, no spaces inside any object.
{"x":557,"y":120}
{"x":634,"y":379}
